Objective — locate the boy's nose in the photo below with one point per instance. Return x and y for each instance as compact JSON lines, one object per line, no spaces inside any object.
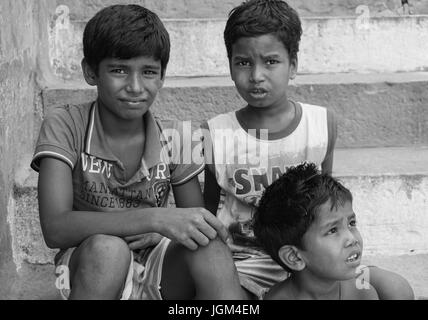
{"x":256,"y":74}
{"x":135,"y":84}
{"x":351,"y":239}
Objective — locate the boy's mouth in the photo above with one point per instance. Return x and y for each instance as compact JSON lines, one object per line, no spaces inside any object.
{"x":354,"y":257}
{"x":133,"y":102}
{"x":258,"y":93}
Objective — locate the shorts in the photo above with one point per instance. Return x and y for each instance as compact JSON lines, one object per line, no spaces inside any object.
{"x":258,"y":273}
{"x":144,"y":273}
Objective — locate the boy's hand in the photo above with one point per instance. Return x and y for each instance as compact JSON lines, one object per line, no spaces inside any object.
{"x":143,"y":241}
{"x":192,"y":227}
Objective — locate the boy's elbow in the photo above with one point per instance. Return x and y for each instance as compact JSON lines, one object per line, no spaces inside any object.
{"x":52,"y":241}
{"x":53,"y":235}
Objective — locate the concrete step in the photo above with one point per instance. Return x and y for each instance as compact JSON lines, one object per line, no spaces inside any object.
{"x":390,"y":191}
{"x":373,"y":110}
{"x":169,"y":9}
{"x":360,"y":43}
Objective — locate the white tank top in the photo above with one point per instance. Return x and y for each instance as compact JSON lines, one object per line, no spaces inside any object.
{"x":246,"y":165}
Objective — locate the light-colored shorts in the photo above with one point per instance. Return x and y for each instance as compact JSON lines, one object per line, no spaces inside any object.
{"x":144,"y":273}
{"x":257,"y":273}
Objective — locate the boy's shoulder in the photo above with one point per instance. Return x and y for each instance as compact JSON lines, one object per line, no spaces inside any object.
{"x":354,"y":289}
{"x":313,"y":109}
{"x":308,"y":107}
{"x":74,"y":112}
{"x":279,"y":291}
{"x":222,"y":120}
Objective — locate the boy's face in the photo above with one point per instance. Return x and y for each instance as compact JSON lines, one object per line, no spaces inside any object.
{"x":333,"y":244}
{"x":128,"y":87}
{"x":261,"y":68}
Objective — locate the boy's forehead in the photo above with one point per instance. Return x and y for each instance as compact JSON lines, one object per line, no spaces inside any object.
{"x":146,"y":60}
{"x":326,"y":213}
{"x":265,"y":42}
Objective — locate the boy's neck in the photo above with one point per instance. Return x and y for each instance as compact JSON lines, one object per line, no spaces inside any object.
{"x":273,"y":112}
{"x":120,"y":128}
{"x":303,"y":285}
{"x":279,"y":121}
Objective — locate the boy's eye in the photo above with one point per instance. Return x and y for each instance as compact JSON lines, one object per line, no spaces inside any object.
{"x":243,"y":63}
{"x":118,"y":71}
{"x":332,"y":230}
{"x":353,"y":223}
{"x":150,"y":72}
{"x":272,"y":61}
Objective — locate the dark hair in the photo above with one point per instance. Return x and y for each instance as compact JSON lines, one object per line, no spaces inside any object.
{"x":259,"y":17}
{"x":288,"y":207}
{"x":125,"y":32}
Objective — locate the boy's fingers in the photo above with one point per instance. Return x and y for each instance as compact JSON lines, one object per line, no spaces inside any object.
{"x":208,"y":231}
{"x":135,"y":245}
{"x":217,"y":225}
{"x":132,"y":238}
{"x":190,"y":244}
{"x":144,"y":241}
{"x":200,"y":239}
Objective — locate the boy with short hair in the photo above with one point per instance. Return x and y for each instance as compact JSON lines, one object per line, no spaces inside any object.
{"x":105,"y":171}
{"x":306,"y":223}
{"x":247,"y":150}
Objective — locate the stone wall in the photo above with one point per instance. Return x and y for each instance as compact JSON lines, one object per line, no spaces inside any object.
{"x":22,"y":33}
{"x":173,"y":9}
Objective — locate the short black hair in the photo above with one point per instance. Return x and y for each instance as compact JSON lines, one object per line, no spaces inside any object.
{"x":288,"y":207}
{"x":259,"y":17}
{"x":125,"y":32}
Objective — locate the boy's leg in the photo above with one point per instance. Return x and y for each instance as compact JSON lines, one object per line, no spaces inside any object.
{"x":207,"y":273}
{"x":98,"y":268}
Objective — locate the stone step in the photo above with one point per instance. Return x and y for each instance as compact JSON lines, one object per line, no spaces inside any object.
{"x":373,"y":110}
{"x":170,"y":9}
{"x":357,"y":44}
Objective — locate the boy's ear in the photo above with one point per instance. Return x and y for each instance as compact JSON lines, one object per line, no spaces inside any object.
{"x":291,"y":257}
{"x":88,"y":73}
{"x":293,"y":68}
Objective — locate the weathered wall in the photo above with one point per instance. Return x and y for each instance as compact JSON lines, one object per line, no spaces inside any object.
{"x":20,"y":38}
{"x":171,"y":9}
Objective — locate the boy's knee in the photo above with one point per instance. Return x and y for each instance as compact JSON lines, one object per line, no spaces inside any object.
{"x":104,"y":250}
{"x":215,"y":250}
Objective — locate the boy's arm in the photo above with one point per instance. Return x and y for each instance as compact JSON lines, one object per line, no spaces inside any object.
{"x":64,"y":228}
{"x":327,"y":164}
{"x":211,"y":188}
{"x":211,"y":192}
{"x":390,"y":285}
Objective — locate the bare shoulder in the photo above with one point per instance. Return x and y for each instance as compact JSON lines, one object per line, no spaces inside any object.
{"x":390,"y":285}
{"x":279,"y":291}
{"x":354,"y":290}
